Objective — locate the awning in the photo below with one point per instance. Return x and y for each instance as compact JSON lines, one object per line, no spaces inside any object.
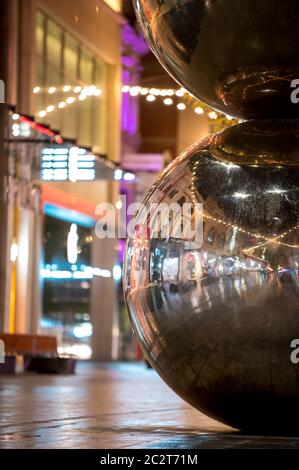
{"x":55,"y":158}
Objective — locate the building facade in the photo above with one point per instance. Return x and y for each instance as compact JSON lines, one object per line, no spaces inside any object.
{"x":62,"y":72}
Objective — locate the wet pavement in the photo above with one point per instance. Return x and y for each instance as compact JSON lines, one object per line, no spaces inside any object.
{"x":118,"y":406}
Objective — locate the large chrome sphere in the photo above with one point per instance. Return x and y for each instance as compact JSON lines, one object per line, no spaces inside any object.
{"x":238,"y":56}
{"x":217,"y":319}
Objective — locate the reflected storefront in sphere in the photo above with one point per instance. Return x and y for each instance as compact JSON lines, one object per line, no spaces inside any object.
{"x":217,"y":320}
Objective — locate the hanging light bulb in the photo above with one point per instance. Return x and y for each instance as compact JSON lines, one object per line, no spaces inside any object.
{"x":199,"y":110}
{"x":150,"y":98}
{"x":180,"y":92}
{"x":181,"y":106}
{"x":168,"y":101}
{"x":134,"y":91}
{"x":70,"y":100}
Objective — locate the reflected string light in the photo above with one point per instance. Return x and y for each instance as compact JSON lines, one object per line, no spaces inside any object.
{"x":274,"y":240}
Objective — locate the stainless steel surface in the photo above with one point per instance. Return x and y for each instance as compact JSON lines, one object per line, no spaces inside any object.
{"x":239,"y":56}
{"x":217,"y":321}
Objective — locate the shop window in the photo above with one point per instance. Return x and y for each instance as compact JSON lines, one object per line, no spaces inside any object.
{"x":70,"y":60}
{"x":85,"y":107}
{"x":40,"y":34}
{"x":54,"y":45}
{"x":86,"y":68}
{"x":62,"y":61}
{"x":66,"y":296}
{"x":100,"y":109}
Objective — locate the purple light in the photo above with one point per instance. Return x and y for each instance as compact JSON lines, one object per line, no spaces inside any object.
{"x":134,"y":46}
{"x":132,"y":39}
{"x":129,"y":61}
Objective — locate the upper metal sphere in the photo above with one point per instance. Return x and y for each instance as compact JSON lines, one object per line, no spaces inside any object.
{"x":217,"y":320}
{"x":238,"y":56}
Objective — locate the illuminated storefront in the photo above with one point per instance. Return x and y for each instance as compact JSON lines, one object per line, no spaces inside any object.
{"x":66,"y":276}
{"x":64,"y":149}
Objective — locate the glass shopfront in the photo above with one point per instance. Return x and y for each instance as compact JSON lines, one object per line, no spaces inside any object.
{"x":66,"y":285}
{"x":70,"y":90}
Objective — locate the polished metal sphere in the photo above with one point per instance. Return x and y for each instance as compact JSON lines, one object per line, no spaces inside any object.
{"x":238,"y":56}
{"x":217,"y":319}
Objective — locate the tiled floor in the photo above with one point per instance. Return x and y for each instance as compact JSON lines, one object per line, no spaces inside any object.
{"x":110,"y":406}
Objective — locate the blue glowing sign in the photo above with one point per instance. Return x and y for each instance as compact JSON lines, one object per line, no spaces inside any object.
{"x":67,"y":164}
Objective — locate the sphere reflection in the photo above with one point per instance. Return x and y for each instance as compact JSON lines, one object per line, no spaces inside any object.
{"x":216,"y":321}
{"x":238,"y":56}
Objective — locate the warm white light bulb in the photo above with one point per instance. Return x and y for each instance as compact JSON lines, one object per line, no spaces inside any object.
{"x":70,"y":100}
{"x":180,"y":92}
{"x":150,"y":98}
{"x":181,"y":106}
{"x":199,"y":110}
{"x":134,"y":91}
{"x":168,"y":101}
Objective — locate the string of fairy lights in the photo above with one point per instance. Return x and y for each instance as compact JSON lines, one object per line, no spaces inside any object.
{"x":180,"y":98}
{"x":72,"y":95}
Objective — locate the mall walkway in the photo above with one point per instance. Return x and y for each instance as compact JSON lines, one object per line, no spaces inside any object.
{"x":114,"y":406}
